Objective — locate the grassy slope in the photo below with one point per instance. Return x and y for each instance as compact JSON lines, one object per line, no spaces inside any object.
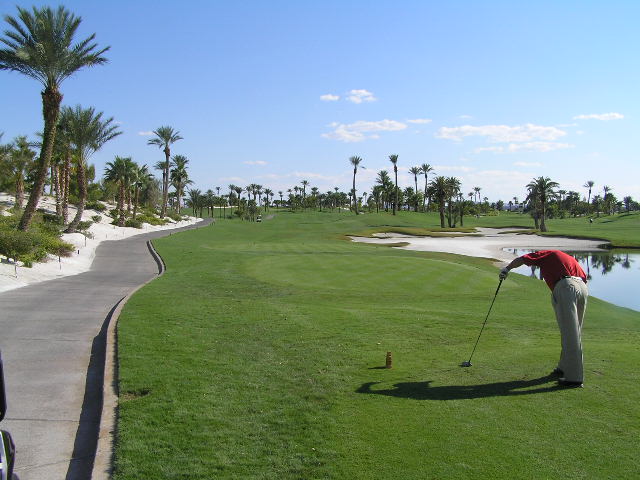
{"x":257,"y":355}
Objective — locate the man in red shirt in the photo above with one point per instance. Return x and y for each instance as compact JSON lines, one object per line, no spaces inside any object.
{"x":568,"y":284}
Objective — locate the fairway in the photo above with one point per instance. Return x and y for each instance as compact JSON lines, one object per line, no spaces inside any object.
{"x":260,"y":353}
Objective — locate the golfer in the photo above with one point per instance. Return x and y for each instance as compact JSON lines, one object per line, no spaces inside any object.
{"x":568,"y":284}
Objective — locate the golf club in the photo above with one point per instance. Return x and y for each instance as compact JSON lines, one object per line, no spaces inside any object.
{"x":468,"y":363}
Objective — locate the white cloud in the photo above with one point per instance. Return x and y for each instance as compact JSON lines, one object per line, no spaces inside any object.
{"x":527,"y":164}
{"x":526,"y":147}
{"x":600,"y":116}
{"x":420,"y":120}
{"x":362,"y":130}
{"x":238,"y":180}
{"x":453,"y":168}
{"x":489,"y":149}
{"x":329,"y":97}
{"x":502,"y":133}
{"x":255,"y":162}
{"x":145,"y":134}
{"x":360,"y":96}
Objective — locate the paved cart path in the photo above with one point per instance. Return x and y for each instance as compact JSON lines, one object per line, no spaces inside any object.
{"x":52,"y":338}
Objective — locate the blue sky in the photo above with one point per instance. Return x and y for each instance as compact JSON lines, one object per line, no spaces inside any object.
{"x":276,"y":92}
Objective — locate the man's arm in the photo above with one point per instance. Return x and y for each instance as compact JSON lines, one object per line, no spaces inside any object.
{"x":515,"y":263}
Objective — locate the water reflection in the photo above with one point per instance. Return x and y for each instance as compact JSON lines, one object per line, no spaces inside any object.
{"x":612,"y":275}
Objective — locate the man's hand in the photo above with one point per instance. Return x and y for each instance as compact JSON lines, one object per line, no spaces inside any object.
{"x":503,"y":273}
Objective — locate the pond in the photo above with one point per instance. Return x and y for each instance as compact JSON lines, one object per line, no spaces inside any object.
{"x":613,"y":276}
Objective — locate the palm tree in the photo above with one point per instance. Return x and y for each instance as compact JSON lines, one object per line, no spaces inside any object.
{"x":453,"y":188}
{"x":118,"y":172}
{"x":355,"y":161}
{"x":477,"y":191}
{"x":40,"y":47}
{"x":394,"y":160}
{"x":87,"y":132}
{"x":425,"y":168}
{"x":541,"y":191}
{"x":141,"y":178}
{"x":589,"y":184}
{"x":165,"y":137}
{"x":180,"y":177}
{"x":439,"y":187}
{"x":21,"y":158}
{"x":415,"y":171}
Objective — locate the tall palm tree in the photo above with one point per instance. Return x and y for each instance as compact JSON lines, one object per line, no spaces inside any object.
{"x":141,"y":177}
{"x":355,"y":161}
{"x":40,"y":47}
{"x":180,"y":177}
{"x":394,"y":160}
{"x":415,"y":171}
{"x":21,"y":157}
{"x":88,"y":132}
{"x":439,"y":187}
{"x":165,"y":137}
{"x":425,"y":168}
{"x":118,"y":172}
{"x":477,"y":191}
{"x":541,"y":191}
{"x":589,"y":184}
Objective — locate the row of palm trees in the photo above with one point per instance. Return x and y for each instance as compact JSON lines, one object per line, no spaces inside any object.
{"x":40,"y":45}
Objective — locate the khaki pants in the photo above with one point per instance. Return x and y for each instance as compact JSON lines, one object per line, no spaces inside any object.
{"x":569,"y":299}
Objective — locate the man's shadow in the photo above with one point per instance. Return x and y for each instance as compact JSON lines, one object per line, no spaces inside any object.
{"x":422,"y":390}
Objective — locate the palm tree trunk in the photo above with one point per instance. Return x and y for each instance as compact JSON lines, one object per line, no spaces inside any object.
{"x":19,"y":190}
{"x":135,"y":202}
{"x":395,"y":202}
{"x":543,"y":227}
{"x":66,"y":179}
{"x":355,"y":203}
{"x":51,"y":100}
{"x":121,"y":200}
{"x":56,"y":184}
{"x":82,"y":196}
{"x":165,"y":183}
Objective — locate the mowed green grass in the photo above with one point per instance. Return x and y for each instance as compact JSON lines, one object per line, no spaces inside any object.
{"x":258,"y":355}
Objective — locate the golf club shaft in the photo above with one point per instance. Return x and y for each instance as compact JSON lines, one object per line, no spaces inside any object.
{"x":485,"y":320}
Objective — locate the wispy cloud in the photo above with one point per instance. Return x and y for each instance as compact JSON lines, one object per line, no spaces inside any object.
{"x":329,"y":97}
{"x":453,"y":168}
{"x":465,"y":117}
{"x":527,"y":164}
{"x":360,"y":96}
{"x":526,"y":147}
{"x":502,"y":133}
{"x":145,"y":134}
{"x":255,"y":162}
{"x":362,"y":130}
{"x":420,"y":120}
{"x":600,"y":116}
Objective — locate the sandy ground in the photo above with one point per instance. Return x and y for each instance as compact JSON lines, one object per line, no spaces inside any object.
{"x":490,"y":243}
{"x":85,"y":247}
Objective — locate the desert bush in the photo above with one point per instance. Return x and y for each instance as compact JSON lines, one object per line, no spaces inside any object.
{"x":96,"y":218}
{"x":95,"y":205}
{"x":133,"y":223}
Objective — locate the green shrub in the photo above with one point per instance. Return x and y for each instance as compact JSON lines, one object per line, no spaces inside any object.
{"x":96,"y":218}
{"x":133,"y":223}
{"x":151,"y":219}
{"x":16,"y":244}
{"x":95,"y":205}
{"x":84,"y":225}
{"x":174,"y":216}
{"x":51,"y":218}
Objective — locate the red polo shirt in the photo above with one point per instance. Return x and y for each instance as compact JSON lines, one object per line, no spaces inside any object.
{"x":554,"y":265}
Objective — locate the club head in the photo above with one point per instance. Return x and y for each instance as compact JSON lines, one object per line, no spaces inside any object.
{"x":465,"y":364}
